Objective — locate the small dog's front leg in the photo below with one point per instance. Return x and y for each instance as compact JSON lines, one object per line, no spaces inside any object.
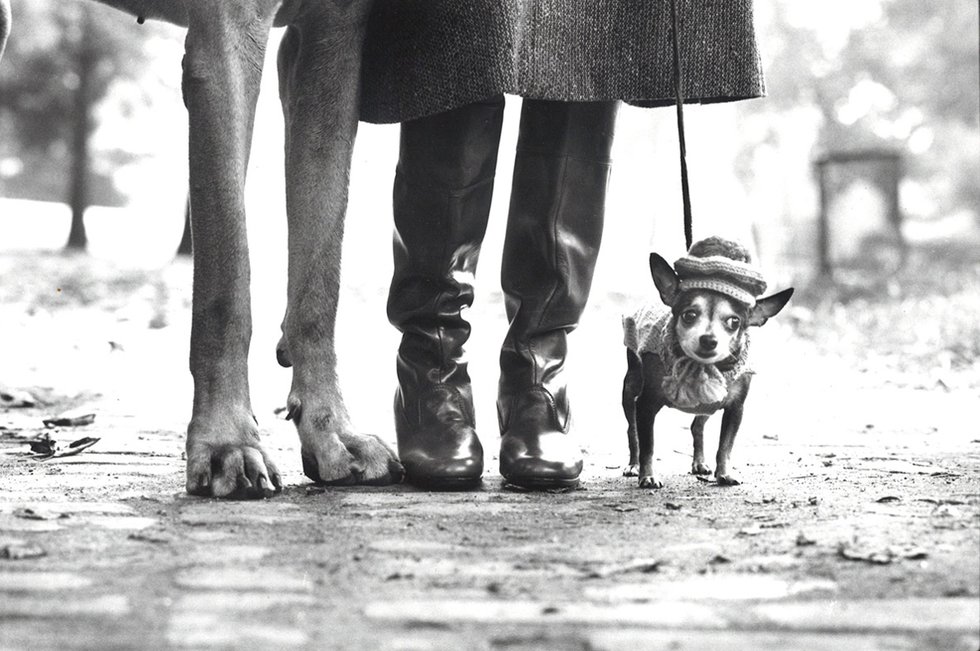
{"x":698,"y":467}
{"x":646,"y":413}
{"x":632,"y":386}
{"x":650,"y":402}
{"x":730,"y":423}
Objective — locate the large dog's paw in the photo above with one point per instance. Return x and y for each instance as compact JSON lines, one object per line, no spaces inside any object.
{"x":332,"y":454}
{"x":700,"y":468}
{"x":727,"y":479}
{"x":650,"y":481}
{"x":631,"y":470}
{"x":229,"y":462}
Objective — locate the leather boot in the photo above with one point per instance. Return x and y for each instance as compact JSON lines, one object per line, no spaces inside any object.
{"x":443,"y":187}
{"x":553,"y":235}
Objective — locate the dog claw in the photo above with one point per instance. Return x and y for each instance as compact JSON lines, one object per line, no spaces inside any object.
{"x":650,"y":482}
{"x":282,"y":354}
{"x":700,"y":469}
{"x":728,"y":480}
{"x":293,"y":411}
{"x":352,"y":459}
{"x":239,"y":470}
{"x":632,"y":470}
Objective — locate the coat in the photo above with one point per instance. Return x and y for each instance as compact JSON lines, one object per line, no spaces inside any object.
{"x":427,"y":56}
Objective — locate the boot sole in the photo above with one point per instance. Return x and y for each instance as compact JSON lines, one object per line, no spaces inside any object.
{"x":444,"y":483}
{"x":542,"y":483}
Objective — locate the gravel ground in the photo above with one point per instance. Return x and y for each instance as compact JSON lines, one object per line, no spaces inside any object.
{"x":857,"y":525}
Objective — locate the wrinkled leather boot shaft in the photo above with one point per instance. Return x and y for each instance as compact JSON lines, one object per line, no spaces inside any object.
{"x":443,"y":188}
{"x":553,"y":235}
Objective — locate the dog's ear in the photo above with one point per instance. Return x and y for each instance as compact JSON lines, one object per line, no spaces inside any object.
{"x":768,"y":307}
{"x":664,"y":278}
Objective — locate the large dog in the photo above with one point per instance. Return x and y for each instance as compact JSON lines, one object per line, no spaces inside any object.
{"x":319,"y":76}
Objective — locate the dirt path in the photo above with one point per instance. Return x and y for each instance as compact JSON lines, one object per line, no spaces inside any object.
{"x":858,"y":525}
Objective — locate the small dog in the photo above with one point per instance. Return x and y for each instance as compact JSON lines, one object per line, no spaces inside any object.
{"x":693,"y":355}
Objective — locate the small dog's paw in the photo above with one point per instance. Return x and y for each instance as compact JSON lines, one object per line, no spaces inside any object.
{"x":700,"y":468}
{"x":632,"y":470}
{"x":728,"y":479}
{"x":650,"y":481}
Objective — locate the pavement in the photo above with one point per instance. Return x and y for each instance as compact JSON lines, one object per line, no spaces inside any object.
{"x":857,"y":525}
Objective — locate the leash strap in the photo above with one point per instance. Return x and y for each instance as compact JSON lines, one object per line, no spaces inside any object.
{"x":679,"y":99}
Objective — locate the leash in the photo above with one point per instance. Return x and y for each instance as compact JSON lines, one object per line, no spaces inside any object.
{"x":679,"y":99}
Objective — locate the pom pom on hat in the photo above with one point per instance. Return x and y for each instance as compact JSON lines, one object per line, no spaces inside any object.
{"x":723,"y":266}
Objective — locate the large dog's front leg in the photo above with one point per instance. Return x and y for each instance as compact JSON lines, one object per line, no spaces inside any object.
{"x":222,"y":69}
{"x":319,"y":71}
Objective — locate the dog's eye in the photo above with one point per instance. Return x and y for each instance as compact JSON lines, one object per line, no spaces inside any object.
{"x":688,"y":317}
{"x":733,"y":323}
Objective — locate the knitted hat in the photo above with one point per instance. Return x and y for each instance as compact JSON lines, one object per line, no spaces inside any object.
{"x":722,"y":266}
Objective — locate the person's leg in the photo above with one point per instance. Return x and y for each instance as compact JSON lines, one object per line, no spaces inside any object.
{"x":553,"y":234}
{"x":443,"y":188}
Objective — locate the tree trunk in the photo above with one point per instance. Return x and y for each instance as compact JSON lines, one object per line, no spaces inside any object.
{"x":185,"y":247}
{"x":81,"y":132}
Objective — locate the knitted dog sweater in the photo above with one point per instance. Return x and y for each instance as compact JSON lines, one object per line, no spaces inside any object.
{"x":689,"y":385}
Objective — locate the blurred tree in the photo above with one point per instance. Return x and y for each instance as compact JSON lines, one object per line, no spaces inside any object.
{"x":904,"y":78}
{"x":61,"y":61}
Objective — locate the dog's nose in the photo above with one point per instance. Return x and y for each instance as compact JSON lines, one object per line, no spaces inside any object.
{"x":708,"y":342}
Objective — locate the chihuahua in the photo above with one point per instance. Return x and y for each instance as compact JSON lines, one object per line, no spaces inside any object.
{"x":692,"y":354}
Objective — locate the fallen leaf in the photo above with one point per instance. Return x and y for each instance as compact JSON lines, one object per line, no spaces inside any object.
{"x":150,"y":536}
{"x":21,"y":551}
{"x":16,"y":399}
{"x":802,"y":540}
{"x":885,"y":556}
{"x":879,"y":557}
{"x":640,"y":566}
{"x":396,"y":576}
{"x":45,"y":448}
{"x":946,"y":473}
{"x":931,"y":500}
{"x":69,"y":421}
{"x":32,"y":514}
